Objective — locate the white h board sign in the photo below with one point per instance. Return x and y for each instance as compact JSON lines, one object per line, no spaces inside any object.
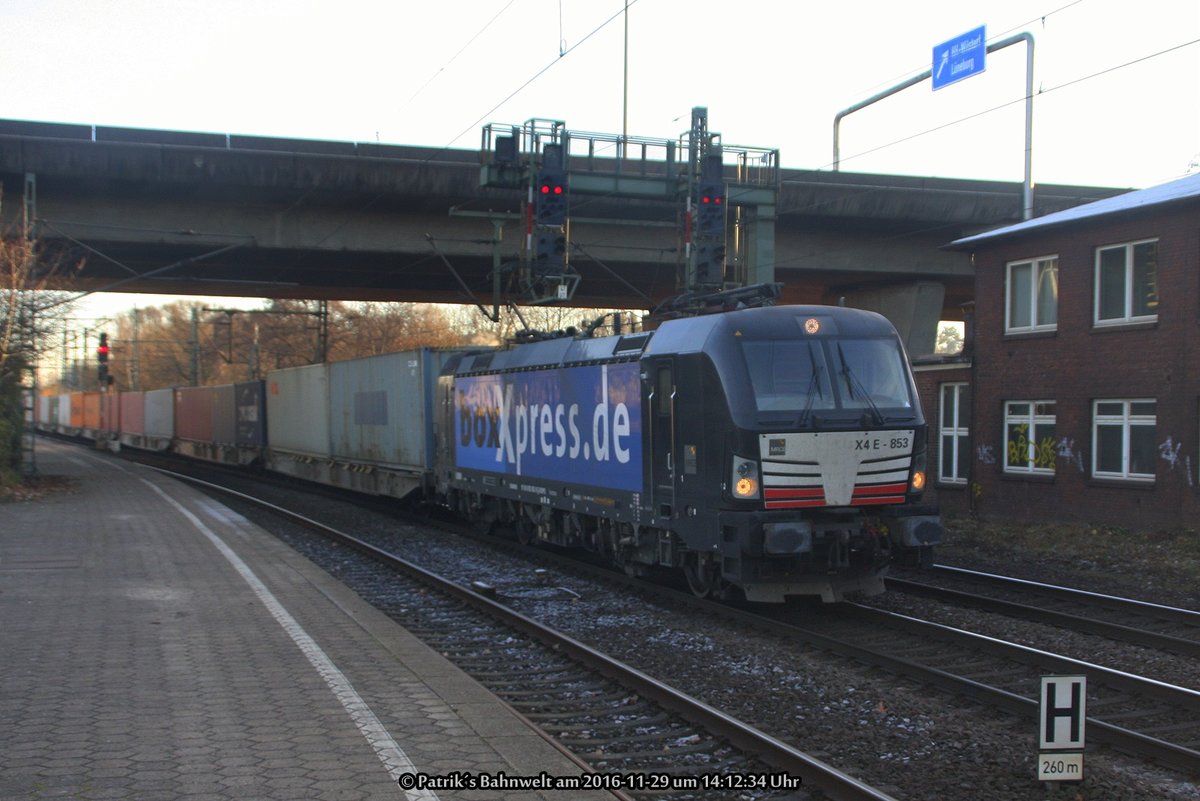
{"x":1062,"y":713}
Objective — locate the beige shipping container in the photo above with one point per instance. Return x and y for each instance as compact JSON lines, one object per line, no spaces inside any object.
{"x":298,"y":410}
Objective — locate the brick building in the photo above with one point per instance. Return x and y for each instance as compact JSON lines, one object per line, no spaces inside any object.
{"x":944,"y":386}
{"x":1081,"y":398}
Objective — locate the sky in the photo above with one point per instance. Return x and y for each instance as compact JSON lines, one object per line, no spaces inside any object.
{"x":1117,"y":84}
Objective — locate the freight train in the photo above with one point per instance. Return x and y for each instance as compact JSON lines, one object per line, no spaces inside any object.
{"x":772,"y":452}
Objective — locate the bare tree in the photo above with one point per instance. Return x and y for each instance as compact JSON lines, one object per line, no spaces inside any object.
{"x":369,"y":329}
{"x":478,"y":329}
{"x":30,"y":313}
{"x":180,"y":343}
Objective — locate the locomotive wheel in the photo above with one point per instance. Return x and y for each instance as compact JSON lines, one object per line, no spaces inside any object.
{"x":704,"y":580}
{"x":525,"y":532}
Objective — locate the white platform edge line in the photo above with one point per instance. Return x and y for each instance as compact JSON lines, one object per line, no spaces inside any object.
{"x":393,"y":757}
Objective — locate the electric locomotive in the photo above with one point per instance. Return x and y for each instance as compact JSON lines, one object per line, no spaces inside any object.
{"x":776,"y":450}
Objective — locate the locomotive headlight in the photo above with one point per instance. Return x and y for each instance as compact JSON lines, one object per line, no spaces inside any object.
{"x":745,"y":478}
{"x":916,"y":479}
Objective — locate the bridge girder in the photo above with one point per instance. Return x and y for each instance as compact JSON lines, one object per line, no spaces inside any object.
{"x":193,"y":213}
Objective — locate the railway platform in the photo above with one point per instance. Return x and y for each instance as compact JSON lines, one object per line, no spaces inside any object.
{"x":156,"y":645}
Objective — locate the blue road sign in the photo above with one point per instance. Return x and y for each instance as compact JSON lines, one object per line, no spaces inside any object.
{"x":961,"y":57}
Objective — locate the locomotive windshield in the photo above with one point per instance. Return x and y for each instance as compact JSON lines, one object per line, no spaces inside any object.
{"x":811,"y":375}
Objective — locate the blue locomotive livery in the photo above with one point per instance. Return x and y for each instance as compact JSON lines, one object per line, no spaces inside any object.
{"x":770,"y":452}
{"x":578,"y":424}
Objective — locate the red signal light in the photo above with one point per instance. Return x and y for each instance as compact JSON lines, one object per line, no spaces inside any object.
{"x":102,"y":349}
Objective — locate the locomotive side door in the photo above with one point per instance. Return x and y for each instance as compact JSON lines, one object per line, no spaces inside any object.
{"x":662,"y":437}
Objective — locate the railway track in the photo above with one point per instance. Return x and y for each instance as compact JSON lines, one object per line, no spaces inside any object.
{"x":1145,"y":719}
{"x":1165,"y":628}
{"x":641,"y":737}
{"x":1153,"y":720}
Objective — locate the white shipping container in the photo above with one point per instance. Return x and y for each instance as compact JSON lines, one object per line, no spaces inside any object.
{"x":160,"y":413}
{"x":298,"y":410}
{"x":381,"y":409}
{"x":64,"y":411}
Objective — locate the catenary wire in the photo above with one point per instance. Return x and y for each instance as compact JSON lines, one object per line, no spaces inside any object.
{"x":454,"y":58}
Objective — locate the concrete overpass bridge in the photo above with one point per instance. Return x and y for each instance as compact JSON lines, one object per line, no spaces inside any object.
{"x":214,"y":214}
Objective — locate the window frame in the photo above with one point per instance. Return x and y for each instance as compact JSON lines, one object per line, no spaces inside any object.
{"x":1035,"y":265}
{"x":959,"y":433}
{"x":1128,"y":317}
{"x":1033,"y":419}
{"x":1127,"y":420}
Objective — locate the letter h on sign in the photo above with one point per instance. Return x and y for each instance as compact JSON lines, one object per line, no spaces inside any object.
{"x":1062,"y":712}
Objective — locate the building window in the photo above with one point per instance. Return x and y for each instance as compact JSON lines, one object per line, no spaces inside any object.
{"x":1123,"y":444}
{"x":955,"y":434}
{"x":1127,"y":283}
{"x":1032,"y":303}
{"x":1031,"y":441}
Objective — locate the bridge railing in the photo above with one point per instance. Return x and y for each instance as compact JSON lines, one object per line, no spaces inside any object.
{"x":620,"y":155}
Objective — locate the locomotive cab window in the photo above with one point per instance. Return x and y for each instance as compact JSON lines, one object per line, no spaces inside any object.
{"x":828,"y":374}
{"x":788,"y":376}
{"x":872,"y":372}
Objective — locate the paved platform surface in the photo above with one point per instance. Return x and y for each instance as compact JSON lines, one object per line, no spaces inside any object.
{"x":156,"y":645}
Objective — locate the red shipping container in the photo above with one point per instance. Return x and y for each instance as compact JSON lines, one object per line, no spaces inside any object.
{"x":110,"y":412}
{"x":194,"y":413}
{"x":133,"y":412}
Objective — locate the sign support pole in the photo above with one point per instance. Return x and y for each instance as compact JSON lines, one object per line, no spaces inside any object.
{"x":1027,"y":190}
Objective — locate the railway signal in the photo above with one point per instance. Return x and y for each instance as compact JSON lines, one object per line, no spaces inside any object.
{"x":552,"y":200}
{"x":708,"y":233}
{"x":102,"y":358}
{"x":710,"y":264}
{"x":551,"y":249}
{"x":550,"y":193}
{"x":550,"y":205}
{"x":710,"y":198}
